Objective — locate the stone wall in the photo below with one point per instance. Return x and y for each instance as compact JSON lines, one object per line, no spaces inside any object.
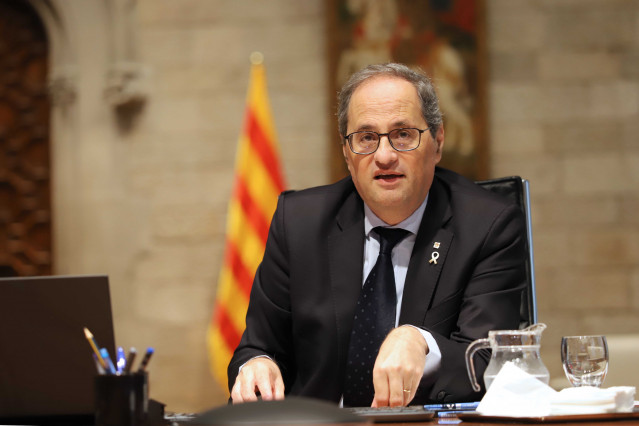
{"x":142,"y":195}
{"x":563,"y":109}
{"x":183,"y":158}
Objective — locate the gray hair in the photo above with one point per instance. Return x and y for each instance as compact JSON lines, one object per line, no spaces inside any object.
{"x":425,"y":90}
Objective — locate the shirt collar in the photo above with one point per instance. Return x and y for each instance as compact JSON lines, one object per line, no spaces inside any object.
{"x":411,"y":223}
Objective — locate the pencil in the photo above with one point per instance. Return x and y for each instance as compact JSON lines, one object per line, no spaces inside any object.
{"x":94,"y":346}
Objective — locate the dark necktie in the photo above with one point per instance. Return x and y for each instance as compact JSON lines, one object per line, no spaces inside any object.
{"x":374,"y":319}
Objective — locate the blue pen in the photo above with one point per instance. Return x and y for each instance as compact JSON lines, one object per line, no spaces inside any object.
{"x":98,"y":366}
{"x":110,"y":367}
{"x":120,"y":360}
{"x":145,"y":360}
{"x":453,"y":406}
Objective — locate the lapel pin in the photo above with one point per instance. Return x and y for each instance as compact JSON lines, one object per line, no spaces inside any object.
{"x":436,"y":244}
{"x":433,"y":257}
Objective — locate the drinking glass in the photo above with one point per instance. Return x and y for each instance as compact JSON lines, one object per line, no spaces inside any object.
{"x":585,"y":359}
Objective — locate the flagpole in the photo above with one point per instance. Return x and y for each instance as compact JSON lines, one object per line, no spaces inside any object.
{"x":257,"y":184}
{"x":256,"y":58}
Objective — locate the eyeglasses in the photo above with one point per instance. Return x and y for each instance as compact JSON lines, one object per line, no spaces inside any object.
{"x":366,"y":142}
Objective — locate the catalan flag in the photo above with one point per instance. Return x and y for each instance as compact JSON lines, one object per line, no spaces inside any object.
{"x":258,"y":182}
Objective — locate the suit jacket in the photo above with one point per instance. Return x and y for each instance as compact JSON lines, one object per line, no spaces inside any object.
{"x":306,"y":288}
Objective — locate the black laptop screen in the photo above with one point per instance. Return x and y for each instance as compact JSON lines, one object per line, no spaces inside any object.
{"x":46,"y":366}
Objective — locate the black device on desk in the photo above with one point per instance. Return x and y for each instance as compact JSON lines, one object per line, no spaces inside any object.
{"x":412,"y":413}
{"x":291,"y":410}
{"x":46,"y":367}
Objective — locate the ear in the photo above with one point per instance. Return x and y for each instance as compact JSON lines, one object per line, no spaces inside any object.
{"x":345,"y":150}
{"x":439,"y":144}
{"x":439,"y":140}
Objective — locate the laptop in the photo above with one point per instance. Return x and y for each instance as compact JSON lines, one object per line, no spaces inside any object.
{"x":46,"y":363}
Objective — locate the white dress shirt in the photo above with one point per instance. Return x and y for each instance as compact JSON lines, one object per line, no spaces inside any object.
{"x":400,"y":257}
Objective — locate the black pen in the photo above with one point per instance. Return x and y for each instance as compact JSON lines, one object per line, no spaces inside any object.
{"x":145,"y":360}
{"x":129,"y":360}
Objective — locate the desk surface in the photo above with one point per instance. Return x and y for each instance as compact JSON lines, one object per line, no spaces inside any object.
{"x":604,"y":423}
{"x":614,"y":419}
{"x":455,"y":421}
{"x":478,"y":422}
{"x":446,"y":421}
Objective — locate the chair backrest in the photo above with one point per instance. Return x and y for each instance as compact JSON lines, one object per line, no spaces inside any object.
{"x":518,"y":190}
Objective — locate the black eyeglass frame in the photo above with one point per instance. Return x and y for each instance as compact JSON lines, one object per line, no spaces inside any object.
{"x":348,"y":138}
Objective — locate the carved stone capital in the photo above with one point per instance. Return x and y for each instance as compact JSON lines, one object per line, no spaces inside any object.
{"x":126,"y":84}
{"x":63,"y":87}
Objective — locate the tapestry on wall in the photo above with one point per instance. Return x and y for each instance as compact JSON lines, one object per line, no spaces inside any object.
{"x":444,"y":38}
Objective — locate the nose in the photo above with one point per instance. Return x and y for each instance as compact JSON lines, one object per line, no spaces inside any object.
{"x":385,"y":153}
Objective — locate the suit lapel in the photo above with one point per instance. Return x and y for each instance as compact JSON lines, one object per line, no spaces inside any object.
{"x":346,"y":259}
{"x":428,"y":257}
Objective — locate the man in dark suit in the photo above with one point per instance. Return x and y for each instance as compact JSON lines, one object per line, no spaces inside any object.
{"x":458,"y":273}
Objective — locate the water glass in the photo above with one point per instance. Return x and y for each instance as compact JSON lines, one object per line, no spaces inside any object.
{"x":585,"y":359}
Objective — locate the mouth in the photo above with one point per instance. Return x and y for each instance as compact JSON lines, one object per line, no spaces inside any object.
{"x":388,"y":177}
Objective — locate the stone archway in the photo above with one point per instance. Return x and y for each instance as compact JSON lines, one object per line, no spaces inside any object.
{"x":91,"y":76}
{"x":25,"y":188}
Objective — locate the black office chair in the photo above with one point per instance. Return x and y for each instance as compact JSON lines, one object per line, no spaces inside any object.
{"x":518,"y":190}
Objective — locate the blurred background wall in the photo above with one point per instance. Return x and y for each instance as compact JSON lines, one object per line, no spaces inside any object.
{"x":147,"y":105}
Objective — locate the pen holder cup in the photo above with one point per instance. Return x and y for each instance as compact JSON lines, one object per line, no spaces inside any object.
{"x":122,"y":400}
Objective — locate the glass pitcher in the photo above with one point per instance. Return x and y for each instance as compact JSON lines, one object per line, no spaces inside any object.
{"x":519,"y":346}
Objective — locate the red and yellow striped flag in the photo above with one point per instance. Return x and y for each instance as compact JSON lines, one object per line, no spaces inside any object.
{"x":258,"y":182}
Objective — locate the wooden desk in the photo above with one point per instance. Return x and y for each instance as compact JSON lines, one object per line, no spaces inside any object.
{"x":299,"y":412}
{"x":455,"y":421}
{"x":611,"y":419}
{"x":452,"y":421}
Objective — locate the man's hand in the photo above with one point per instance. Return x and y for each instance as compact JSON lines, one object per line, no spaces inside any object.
{"x":399,"y":367}
{"x":258,"y":375}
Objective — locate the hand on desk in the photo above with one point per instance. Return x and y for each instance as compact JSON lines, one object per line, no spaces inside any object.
{"x":259,"y":374}
{"x":399,"y":366}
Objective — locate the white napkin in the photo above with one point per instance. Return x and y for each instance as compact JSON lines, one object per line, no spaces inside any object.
{"x":515,"y":393}
{"x":591,"y":400}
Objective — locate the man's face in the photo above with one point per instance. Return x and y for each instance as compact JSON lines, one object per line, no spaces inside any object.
{"x":392,"y":183}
